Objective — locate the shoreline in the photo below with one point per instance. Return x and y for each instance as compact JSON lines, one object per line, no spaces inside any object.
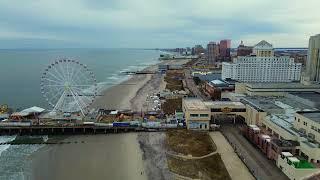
{"x":114,"y":156}
{"x":131,"y":93}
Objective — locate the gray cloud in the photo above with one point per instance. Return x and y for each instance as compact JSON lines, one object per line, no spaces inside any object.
{"x":155,"y":23}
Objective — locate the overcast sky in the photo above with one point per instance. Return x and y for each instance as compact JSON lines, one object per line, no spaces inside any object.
{"x":155,"y":23}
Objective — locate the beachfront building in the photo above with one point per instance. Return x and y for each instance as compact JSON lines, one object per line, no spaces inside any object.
{"x":263,"y":67}
{"x":196,"y":113}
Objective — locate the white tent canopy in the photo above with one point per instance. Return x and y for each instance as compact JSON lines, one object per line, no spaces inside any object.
{"x":29,"y":111}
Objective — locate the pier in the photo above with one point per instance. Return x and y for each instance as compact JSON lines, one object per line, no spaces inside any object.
{"x":64,"y":130}
{"x":139,"y":72}
{"x":71,"y":130}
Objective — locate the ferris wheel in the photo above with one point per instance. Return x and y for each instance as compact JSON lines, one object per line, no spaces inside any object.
{"x":68,"y":86}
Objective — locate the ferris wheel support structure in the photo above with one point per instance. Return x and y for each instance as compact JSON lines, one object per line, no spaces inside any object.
{"x":69,"y":86}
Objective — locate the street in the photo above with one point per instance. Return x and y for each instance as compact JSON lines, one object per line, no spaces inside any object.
{"x":192,"y":86}
{"x":261,"y":167}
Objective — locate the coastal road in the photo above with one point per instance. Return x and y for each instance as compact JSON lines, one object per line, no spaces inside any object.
{"x":192,"y":86}
{"x":261,"y":167}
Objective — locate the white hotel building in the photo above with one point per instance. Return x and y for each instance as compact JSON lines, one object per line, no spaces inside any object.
{"x":263,"y":66}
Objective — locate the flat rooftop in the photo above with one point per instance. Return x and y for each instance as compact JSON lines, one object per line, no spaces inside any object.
{"x":312,"y":115}
{"x":266,"y":103}
{"x":280,"y":110}
{"x":311,"y":96}
{"x":224,"y":104}
{"x":194,"y":104}
{"x":290,"y":85}
{"x":218,"y":83}
{"x":260,"y":102}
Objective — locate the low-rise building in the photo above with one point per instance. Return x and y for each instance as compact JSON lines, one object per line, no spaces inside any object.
{"x":280,"y":118}
{"x":295,"y":168}
{"x":215,"y":87}
{"x":273,"y":89}
{"x":197,"y":114}
{"x":308,"y":123}
{"x":277,"y":146}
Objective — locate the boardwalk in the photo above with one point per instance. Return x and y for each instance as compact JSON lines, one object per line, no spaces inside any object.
{"x":235,"y":167}
{"x":257,"y":162}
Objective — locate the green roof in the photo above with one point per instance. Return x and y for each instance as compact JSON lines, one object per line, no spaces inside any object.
{"x":303,"y":164}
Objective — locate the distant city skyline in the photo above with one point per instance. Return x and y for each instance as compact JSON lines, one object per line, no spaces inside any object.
{"x":155,"y":24}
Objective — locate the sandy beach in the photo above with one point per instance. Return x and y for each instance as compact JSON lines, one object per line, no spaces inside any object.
{"x":132,"y":93}
{"x":119,"y":96}
{"x":114,"y":156}
{"x":134,"y":156}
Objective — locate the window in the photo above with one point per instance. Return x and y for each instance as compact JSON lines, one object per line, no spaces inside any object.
{"x":194,"y":115}
{"x":238,"y":110}
{"x":204,"y":115}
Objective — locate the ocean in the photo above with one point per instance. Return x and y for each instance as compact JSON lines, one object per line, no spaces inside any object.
{"x":20,"y":73}
{"x":21,"y":70}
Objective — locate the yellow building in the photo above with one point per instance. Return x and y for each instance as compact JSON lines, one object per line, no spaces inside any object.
{"x":196,"y":113}
{"x":263,"y":49}
{"x":308,"y":123}
{"x":225,"y":109}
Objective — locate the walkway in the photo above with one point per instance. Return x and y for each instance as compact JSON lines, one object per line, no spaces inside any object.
{"x":256,"y":161}
{"x":234,"y":166}
{"x":191,"y":157}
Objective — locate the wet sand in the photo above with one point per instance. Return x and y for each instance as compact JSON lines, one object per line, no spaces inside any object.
{"x":119,"y":96}
{"x":115,"y":156}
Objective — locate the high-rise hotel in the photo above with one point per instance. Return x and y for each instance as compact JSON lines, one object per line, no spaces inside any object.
{"x":313,"y":62}
{"x":262,"y":66}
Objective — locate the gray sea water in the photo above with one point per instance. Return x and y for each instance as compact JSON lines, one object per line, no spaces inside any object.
{"x":20,"y":70}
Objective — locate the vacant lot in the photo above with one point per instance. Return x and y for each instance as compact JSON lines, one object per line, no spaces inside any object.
{"x":207,"y":168}
{"x":196,"y":144}
{"x":172,"y":105}
{"x":173,"y":79}
{"x":189,"y":142}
